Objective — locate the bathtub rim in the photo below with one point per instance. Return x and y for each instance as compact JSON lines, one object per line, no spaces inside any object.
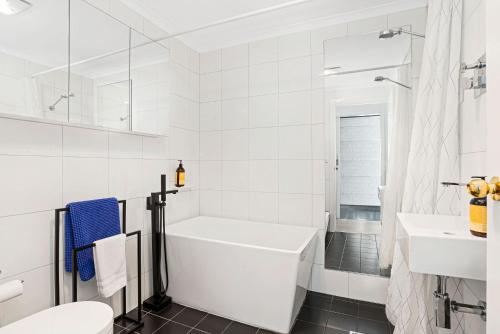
{"x":312,"y":234}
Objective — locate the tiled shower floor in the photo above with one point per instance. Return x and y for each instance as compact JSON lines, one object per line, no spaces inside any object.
{"x":321,"y":314}
{"x":353,"y":252}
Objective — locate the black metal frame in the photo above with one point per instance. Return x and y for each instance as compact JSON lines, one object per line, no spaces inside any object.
{"x":156,"y":203}
{"x":138,"y":322}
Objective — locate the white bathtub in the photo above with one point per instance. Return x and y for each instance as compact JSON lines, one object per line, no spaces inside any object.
{"x":255,"y":273}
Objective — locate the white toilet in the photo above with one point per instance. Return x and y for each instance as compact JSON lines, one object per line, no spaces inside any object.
{"x":74,"y":318}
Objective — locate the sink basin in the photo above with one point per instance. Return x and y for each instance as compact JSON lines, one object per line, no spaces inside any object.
{"x":441,"y":245}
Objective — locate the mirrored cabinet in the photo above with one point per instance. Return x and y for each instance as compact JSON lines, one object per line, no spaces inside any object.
{"x":70,"y":62}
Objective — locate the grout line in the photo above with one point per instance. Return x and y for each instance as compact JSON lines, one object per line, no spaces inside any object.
{"x":227,"y":326}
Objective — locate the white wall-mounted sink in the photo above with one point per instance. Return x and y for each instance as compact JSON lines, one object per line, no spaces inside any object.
{"x":441,"y":245}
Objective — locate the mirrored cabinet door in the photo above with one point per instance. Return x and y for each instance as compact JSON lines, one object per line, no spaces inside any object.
{"x":71,"y":62}
{"x":34,"y":53}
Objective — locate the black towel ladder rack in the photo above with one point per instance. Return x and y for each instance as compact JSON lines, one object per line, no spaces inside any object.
{"x":137,"y":321}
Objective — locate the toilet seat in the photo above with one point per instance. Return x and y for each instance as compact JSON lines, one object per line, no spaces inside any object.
{"x":75,"y":318}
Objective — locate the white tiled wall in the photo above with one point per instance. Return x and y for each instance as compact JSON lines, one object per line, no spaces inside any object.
{"x":262,"y":132}
{"x":45,"y":166}
{"x":256,"y":127}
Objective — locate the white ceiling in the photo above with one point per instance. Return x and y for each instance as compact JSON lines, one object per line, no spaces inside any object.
{"x":176,"y":16}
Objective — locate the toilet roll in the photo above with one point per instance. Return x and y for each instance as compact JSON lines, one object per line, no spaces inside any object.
{"x":10,"y":290}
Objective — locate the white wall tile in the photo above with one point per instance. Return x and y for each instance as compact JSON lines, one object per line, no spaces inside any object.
{"x":184,"y":144}
{"x":235,"y":145}
{"x":235,"y":114}
{"x":35,"y":232}
{"x":295,"y":176}
{"x":210,"y":62}
{"x":295,"y":74}
{"x":318,"y":106}
{"x":264,"y":175}
{"x":135,"y":215}
{"x":81,"y":142}
{"x":210,"y":203}
{"x":235,"y":175}
{"x":317,"y":69}
{"x":84,"y":179}
{"x":318,"y":219}
{"x":295,"y":209}
{"x":151,"y":171}
{"x":210,"y":116}
{"x":29,"y":138}
{"x":263,"y":79}
{"x":318,"y":36}
{"x":473,"y":123}
{"x":211,"y":175}
{"x":37,"y":295}
{"x":264,"y":143}
{"x":211,"y":145}
{"x":295,"y":108}
{"x":263,"y":207}
{"x":294,"y":45}
{"x":264,"y":51}
{"x":125,"y":178}
{"x":263,"y":111}
{"x":40,"y":175}
{"x":155,"y":147}
{"x":210,"y":87}
{"x":123,"y":145}
{"x":295,"y":142}
{"x":235,"y":83}
{"x":235,"y":204}
{"x":318,"y":176}
{"x":318,"y":141}
{"x":235,"y":57}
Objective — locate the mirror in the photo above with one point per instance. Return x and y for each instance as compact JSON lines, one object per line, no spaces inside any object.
{"x":32,"y":43}
{"x":71,"y":62}
{"x":366,"y":77}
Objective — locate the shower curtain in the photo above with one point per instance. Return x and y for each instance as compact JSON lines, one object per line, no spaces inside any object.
{"x":433,"y":158}
{"x":399,"y":147}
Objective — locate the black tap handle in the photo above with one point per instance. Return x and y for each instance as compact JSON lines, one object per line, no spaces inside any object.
{"x":163,"y":187}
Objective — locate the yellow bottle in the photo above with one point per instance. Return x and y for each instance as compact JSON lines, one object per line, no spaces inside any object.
{"x":180,"y":175}
{"x":478,"y":223}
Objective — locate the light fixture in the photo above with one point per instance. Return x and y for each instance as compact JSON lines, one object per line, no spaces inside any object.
{"x":10,"y":7}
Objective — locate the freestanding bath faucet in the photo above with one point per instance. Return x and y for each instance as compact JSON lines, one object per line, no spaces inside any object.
{"x":156,"y":204}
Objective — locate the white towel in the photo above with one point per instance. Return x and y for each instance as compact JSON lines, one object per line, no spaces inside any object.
{"x":110,"y":264}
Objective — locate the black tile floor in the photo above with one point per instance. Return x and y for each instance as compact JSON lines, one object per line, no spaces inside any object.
{"x":359,"y":212}
{"x":354,"y":252}
{"x":321,"y":314}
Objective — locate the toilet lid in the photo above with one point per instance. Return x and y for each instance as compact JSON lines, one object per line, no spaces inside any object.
{"x":74,"y":318}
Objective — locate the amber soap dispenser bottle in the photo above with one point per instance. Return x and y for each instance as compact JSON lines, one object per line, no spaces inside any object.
{"x":479,"y":189}
{"x":180,"y":175}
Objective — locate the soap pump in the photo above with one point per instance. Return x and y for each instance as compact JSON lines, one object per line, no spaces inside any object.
{"x":180,"y":175}
{"x":479,"y":189}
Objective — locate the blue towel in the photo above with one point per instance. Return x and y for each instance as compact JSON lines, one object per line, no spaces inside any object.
{"x":85,"y":223}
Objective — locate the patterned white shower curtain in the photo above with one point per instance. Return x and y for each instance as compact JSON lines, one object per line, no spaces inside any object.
{"x":402,"y":118}
{"x":433,"y":158}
